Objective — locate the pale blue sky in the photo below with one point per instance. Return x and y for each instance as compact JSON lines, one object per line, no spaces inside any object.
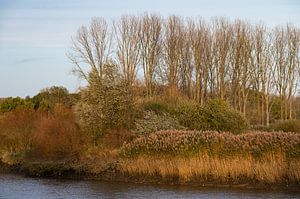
{"x":35,"y":34}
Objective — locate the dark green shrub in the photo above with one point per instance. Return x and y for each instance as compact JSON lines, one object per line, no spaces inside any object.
{"x":215,"y":115}
{"x":155,"y":106}
{"x":49,"y":97}
{"x":286,"y":126}
{"x":221,"y":117}
{"x":191,"y":116}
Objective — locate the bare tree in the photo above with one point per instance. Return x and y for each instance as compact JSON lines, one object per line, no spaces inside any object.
{"x":150,"y":37}
{"x":173,"y":44}
{"x":201,"y":51}
{"x":186,"y":66}
{"x":293,"y":45}
{"x":280,"y":46}
{"x":91,"y":49}
{"x":222,"y":44}
{"x":128,"y":46}
{"x":264,"y":72}
{"x":247,"y":65}
{"x":228,"y":60}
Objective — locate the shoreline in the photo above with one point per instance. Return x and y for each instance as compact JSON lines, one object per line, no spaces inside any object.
{"x":65,"y":171}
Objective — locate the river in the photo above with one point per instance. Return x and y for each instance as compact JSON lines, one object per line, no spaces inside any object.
{"x":16,"y":186}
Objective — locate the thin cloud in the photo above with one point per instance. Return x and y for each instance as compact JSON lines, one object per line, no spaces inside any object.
{"x":30,"y":60}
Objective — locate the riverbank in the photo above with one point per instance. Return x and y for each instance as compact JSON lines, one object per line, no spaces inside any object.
{"x":209,"y":158}
{"x":113,"y":174}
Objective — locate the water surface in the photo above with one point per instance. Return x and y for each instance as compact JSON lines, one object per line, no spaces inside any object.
{"x":15,"y":187}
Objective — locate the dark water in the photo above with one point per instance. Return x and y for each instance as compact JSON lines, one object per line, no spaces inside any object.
{"x":14,"y":186}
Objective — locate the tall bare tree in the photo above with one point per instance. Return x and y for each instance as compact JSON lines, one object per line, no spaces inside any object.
{"x":173,"y":44}
{"x":293,"y":45}
{"x":222,"y":44}
{"x":128,"y":46}
{"x":201,"y":51}
{"x":150,"y":37}
{"x":91,"y":49}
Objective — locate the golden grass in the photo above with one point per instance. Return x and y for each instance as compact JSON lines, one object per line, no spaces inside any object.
{"x":273,"y":168}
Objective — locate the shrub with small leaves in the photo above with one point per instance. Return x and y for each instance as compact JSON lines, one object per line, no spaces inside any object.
{"x":153,"y":121}
{"x":155,"y":106}
{"x":221,"y":117}
{"x":105,"y":104}
{"x":286,"y":126}
{"x":215,"y":115}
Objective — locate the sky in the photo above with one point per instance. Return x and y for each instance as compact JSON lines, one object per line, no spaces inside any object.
{"x":35,"y":35}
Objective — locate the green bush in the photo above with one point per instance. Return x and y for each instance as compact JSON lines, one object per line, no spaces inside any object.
{"x":153,"y":121}
{"x":105,"y":104}
{"x":286,"y":126}
{"x":191,"y":116}
{"x":215,"y":115}
{"x":16,"y":103}
{"x":48,"y":98}
{"x":221,"y":117}
{"x":155,"y":106}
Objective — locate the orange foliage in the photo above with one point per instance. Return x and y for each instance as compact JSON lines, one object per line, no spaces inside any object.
{"x":17,"y":128}
{"x":57,"y":135}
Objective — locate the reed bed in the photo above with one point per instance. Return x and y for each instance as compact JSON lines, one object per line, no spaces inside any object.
{"x":265,"y":157}
{"x":204,"y":168}
{"x":214,"y":143}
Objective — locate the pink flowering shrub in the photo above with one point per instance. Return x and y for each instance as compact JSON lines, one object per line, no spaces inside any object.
{"x":214,"y":143}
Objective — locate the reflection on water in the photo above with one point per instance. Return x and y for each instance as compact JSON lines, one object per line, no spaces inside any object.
{"x":14,"y":186}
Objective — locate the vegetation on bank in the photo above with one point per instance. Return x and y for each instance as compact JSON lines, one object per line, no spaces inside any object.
{"x":217,"y":117}
{"x":218,"y":144}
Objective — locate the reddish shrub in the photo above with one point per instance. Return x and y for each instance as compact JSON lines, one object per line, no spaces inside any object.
{"x":57,"y":136}
{"x":17,"y":128}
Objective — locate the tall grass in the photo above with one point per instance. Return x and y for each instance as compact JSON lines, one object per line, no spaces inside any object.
{"x":267,"y":157}
{"x":273,"y":168}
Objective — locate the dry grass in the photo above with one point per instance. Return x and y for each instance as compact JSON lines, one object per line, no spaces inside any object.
{"x":267,"y":157}
{"x":203,"y":168}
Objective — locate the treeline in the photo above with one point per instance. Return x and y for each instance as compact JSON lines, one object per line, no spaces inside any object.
{"x":45,"y":100}
{"x":244,"y":64}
